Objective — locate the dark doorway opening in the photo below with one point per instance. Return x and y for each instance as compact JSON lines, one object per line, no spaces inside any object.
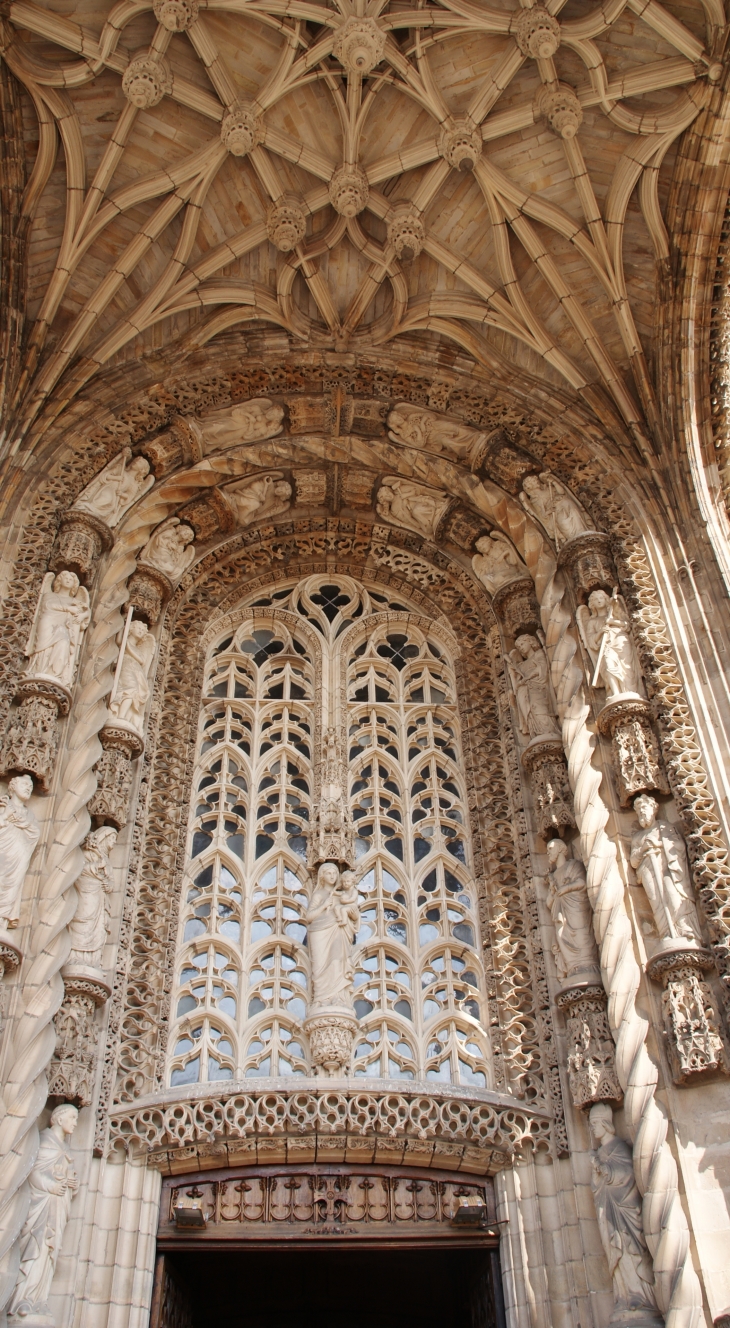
{"x":336,"y":1288}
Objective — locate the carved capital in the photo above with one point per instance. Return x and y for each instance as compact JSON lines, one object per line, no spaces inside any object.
{"x":80,"y":542}
{"x":588,"y":563}
{"x":516,"y":607}
{"x":636,"y":757}
{"x":544,"y":761}
{"x":148,"y":592}
{"x":695,"y":1043}
{"x":331,"y":1036}
{"x":591,"y":1065}
{"x":32,"y":736}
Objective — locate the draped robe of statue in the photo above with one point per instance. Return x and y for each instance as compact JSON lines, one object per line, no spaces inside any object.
{"x":19,"y":833}
{"x":618,"y":1209}
{"x":332,"y":921}
{"x":89,"y":927}
{"x":52,"y":1185}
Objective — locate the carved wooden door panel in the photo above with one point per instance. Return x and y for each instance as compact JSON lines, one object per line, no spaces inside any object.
{"x":170,"y":1303}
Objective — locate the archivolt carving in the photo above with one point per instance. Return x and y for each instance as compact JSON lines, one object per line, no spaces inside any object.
{"x":476,"y":1133}
{"x":142,"y":992}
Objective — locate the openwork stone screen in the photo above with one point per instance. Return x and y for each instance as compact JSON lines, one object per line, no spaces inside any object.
{"x":334,"y":659}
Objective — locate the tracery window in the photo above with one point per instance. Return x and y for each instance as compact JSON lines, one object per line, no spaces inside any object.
{"x":379,"y":677}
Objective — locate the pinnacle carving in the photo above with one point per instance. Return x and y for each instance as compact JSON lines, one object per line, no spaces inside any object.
{"x":406,"y":233}
{"x":176,"y":15}
{"x":349,"y":190}
{"x":286,"y":224}
{"x":359,"y":45}
{"x":537,"y":33}
{"x":461,"y":145}
{"x":560,"y":107}
{"x":242,"y":130}
{"x":147,"y":79}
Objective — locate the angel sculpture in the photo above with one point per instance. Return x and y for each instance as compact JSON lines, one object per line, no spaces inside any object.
{"x":170,"y":548}
{"x":113,"y":491}
{"x":131,"y":687}
{"x":496,"y":562}
{"x":61,"y":618}
{"x":605,"y":628}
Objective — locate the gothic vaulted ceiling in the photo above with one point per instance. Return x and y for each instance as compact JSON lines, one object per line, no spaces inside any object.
{"x":491,"y":176}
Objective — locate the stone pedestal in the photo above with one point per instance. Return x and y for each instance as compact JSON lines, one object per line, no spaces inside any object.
{"x":544,"y":761}
{"x":516,"y":607}
{"x":110,"y":803}
{"x":81,"y":540}
{"x":587,"y":561}
{"x":148,"y":592}
{"x":331,"y":1034}
{"x":695,"y":1044}
{"x":591,"y":1064}
{"x":72,"y":1071}
{"x":626,"y":719}
{"x":31,"y":738}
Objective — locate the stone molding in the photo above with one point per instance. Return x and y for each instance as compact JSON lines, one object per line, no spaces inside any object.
{"x":431,"y":1125}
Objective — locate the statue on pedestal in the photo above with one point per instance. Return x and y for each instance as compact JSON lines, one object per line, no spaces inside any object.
{"x":170,"y":548}
{"x":605,"y":627}
{"x":496,"y":562}
{"x":530,"y":677}
{"x":544,"y":497}
{"x":53,"y":1183}
{"x":113,"y":491}
{"x":659,"y":858}
{"x":132,"y":689}
{"x":570,"y":909}
{"x":61,"y":619}
{"x":89,"y":926}
{"x":618,"y":1209}
{"x":332,"y":921}
{"x":19,"y":834}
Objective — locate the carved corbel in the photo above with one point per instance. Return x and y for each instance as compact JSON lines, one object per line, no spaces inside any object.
{"x":10,"y":958}
{"x":695,"y":1044}
{"x":588,"y":563}
{"x":591,"y":1065}
{"x":80,"y":542}
{"x":331,"y":1036}
{"x":636,"y":757}
{"x":544,"y":761}
{"x":516,"y":607}
{"x":72,"y":1071}
{"x":148,"y":592}
{"x":32,"y":737}
{"x":110,"y":803}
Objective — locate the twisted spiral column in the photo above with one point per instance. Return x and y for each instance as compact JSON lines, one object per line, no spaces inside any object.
{"x":678,"y":1290}
{"x":33,"y":1034}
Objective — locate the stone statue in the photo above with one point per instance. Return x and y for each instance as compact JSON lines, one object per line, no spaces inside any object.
{"x":246,"y":423}
{"x":132,"y":689}
{"x":618,"y":1209}
{"x":659,"y":858}
{"x":53,"y":1183}
{"x":332,"y":921}
{"x":605,"y":627}
{"x":259,"y":498}
{"x":19,"y":834}
{"x":545,"y":498}
{"x":496,"y":562}
{"x":170,"y":548}
{"x":571,"y":912}
{"x":419,"y":428}
{"x":61,"y":618}
{"x":113,"y":491}
{"x":89,"y":927}
{"x":411,"y":505}
{"x":530,"y":677}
